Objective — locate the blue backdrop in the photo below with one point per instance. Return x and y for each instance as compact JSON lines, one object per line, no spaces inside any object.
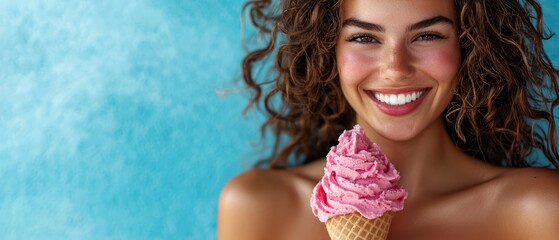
{"x":120,"y":119}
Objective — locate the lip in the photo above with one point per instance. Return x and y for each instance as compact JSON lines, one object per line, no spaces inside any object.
{"x":399,"y":110}
{"x":397,"y":91}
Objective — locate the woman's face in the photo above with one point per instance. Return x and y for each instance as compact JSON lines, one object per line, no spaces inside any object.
{"x":398,"y":61}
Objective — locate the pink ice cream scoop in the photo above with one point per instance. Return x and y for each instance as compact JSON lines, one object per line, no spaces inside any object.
{"x":358,"y":178}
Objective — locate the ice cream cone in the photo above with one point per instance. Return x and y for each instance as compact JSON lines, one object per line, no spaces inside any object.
{"x":359,"y":184}
{"x":354,"y":226}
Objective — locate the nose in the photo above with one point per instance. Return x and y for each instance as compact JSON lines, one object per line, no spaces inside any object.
{"x":396,"y":63}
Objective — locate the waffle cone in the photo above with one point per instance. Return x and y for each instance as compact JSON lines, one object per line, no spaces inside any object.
{"x":353,"y":226}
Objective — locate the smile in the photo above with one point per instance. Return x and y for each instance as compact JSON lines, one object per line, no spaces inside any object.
{"x":398,"y":99}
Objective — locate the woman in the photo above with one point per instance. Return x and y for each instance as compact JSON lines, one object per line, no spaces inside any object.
{"x":450,"y":91}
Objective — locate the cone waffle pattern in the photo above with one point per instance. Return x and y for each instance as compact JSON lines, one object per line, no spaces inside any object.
{"x":353,"y":226}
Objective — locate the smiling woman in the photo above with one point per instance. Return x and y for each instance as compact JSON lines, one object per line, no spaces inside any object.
{"x":397,"y":56}
{"x":449,"y":90}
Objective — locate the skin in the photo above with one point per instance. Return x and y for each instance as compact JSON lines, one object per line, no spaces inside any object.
{"x":451,"y":195}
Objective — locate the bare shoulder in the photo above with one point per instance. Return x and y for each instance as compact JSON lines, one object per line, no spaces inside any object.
{"x":252,"y":203}
{"x":266,"y":204}
{"x":532,"y":184}
{"x":530,"y":203}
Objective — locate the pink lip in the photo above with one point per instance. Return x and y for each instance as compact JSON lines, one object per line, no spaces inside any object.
{"x":397,"y":91}
{"x":401,"y":109}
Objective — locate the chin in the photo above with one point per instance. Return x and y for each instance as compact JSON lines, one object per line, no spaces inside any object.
{"x":395,"y":132}
{"x":397,"y":136}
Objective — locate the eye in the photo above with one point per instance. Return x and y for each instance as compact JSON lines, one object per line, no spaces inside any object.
{"x":362,"y":38}
{"x":429,"y":37}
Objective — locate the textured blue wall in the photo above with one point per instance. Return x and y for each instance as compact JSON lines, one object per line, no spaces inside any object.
{"x":110,"y":125}
{"x":113,"y":124}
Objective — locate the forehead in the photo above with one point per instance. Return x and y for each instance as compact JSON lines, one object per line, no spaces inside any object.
{"x":381,"y":10}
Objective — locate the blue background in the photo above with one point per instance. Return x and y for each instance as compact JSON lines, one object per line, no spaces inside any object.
{"x":122,"y":119}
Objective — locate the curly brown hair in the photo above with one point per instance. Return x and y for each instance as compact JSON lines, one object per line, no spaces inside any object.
{"x":502,"y":110}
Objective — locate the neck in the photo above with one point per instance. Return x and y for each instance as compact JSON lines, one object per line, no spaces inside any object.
{"x":425,"y":162}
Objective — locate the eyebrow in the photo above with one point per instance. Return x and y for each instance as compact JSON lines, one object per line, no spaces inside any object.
{"x":375,"y":27}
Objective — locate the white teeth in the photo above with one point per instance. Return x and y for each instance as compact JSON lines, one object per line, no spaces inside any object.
{"x":393,"y":99}
{"x":398,"y":99}
{"x":401,"y":99}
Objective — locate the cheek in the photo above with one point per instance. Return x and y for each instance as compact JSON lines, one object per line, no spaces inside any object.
{"x":444,"y":64}
{"x":353,"y":66}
